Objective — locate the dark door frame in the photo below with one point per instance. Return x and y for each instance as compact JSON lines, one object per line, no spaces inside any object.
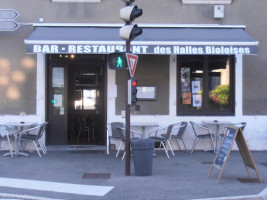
{"x":50,"y":61}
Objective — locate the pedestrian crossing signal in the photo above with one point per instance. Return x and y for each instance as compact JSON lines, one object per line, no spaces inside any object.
{"x":117,"y":61}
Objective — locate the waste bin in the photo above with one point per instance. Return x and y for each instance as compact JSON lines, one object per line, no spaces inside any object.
{"x":143,"y":156}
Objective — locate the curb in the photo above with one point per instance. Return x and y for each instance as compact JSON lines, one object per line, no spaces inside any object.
{"x":261,"y":196}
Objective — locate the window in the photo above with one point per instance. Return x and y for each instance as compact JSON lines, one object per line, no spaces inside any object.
{"x":205,"y":85}
{"x":78,"y":1}
{"x":85,"y":99}
{"x":207,"y":1}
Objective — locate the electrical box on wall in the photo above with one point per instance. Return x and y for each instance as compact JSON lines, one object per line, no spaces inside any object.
{"x":218,"y":11}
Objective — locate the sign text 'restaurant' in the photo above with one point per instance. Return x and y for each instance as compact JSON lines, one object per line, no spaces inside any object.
{"x":140,"y":49}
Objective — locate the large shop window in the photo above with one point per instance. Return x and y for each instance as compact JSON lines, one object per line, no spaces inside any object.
{"x":205,"y":85}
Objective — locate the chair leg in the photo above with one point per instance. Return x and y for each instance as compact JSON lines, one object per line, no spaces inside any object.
{"x":178,"y":144}
{"x":36,"y":147}
{"x":212,"y":145}
{"x":123,"y":155}
{"x":10,"y":148}
{"x":42,"y":146}
{"x":118,"y":150}
{"x":165,"y":149}
{"x":170,"y":147}
{"x":194,"y":145}
{"x":184,"y":144}
{"x":107,"y":144}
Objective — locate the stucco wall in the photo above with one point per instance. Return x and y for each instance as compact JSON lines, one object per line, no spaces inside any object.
{"x":246,"y":12}
{"x":151,"y":70}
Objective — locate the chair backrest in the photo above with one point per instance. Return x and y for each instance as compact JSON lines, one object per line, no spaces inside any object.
{"x":167,"y":135}
{"x":5,"y":131}
{"x":121,"y":133}
{"x":39,"y":128}
{"x":199,"y":127}
{"x":42,"y":130}
{"x":115,"y":131}
{"x":193,"y":127}
{"x":181,"y":129}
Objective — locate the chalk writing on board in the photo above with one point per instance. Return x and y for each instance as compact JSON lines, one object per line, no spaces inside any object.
{"x":225,"y":148}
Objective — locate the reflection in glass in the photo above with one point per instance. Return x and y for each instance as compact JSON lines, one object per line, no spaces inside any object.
{"x":219,"y":81}
{"x":87,"y":100}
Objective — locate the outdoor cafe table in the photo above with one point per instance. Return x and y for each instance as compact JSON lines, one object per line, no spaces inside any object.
{"x":144,"y":126}
{"x":217,"y":123}
{"x":18,"y":126}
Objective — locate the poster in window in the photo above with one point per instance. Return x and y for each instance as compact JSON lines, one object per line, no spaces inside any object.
{"x":195,"y":86}
{"x":58,"y":100}
{"x":187,"y":98}
{"x":185,"y":79}
{"x":197,"y":100}
{"x":58,"y":77}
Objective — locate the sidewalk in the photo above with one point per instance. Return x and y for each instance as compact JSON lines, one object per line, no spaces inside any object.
{"x":181,"y":177}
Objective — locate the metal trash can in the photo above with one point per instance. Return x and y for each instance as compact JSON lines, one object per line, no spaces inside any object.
{"x":143,"y":156}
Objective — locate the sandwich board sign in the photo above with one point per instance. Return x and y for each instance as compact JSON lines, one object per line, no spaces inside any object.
{"x":233,"y":134}
{"x":132,"y":62}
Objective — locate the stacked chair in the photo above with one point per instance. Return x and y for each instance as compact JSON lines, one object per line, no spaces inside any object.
{"x":33,"y":134}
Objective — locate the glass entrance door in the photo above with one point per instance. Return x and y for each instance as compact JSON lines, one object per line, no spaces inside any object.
{"x":86,"y":106}
{"x":57,"y":104}
{"x":77,"y":100}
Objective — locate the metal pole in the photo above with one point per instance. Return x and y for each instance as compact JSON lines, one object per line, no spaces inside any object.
{"x":127,"y":113}
{"x":127,"y":122}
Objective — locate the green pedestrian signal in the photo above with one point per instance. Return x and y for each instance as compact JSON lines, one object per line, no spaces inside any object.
{"x":117,"y":61}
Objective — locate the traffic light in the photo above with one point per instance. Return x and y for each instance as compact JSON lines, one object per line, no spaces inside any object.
{"x":129,"y":13}
{"x":132,"y":92}
{"x":117,"y":61}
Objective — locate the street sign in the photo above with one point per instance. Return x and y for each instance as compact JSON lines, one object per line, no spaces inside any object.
{"x":8,"y":25}
{"x":8,"y":14}
{"x":132,"y":61}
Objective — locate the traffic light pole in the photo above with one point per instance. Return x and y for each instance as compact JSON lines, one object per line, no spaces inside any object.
{"x":128,"y":32}
{"x":127,"y":121}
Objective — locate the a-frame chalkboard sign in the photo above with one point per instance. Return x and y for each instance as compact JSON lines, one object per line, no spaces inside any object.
{"x":233,"y":134}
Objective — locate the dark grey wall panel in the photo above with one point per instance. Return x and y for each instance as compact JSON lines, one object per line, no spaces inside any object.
{"x":151,"y":70}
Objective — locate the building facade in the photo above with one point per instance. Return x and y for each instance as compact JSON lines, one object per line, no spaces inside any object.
{"x":53,"y":66}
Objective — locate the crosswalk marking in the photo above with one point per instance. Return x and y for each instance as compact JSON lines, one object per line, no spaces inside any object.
{"x":56,"y":187}
{"x":7,"y":196}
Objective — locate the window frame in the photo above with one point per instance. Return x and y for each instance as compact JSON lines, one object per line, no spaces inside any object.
{"x":205,"y":111}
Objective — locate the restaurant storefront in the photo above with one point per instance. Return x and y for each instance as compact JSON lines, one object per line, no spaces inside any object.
{"x":196,"y":71}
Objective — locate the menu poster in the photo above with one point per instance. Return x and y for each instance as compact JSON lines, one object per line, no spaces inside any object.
{"x":187,"y":98}
{"x":58,"y":99}
{"x":197,"y":100}
{"x":195,"y":86}
{"x":185,"y":79}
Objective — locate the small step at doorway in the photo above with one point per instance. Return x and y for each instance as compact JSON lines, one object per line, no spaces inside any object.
{"x":76,"y":148}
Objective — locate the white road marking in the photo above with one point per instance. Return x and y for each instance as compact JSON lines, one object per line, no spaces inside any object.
{"x":21,"y":197}
{"x":56,"y":186}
